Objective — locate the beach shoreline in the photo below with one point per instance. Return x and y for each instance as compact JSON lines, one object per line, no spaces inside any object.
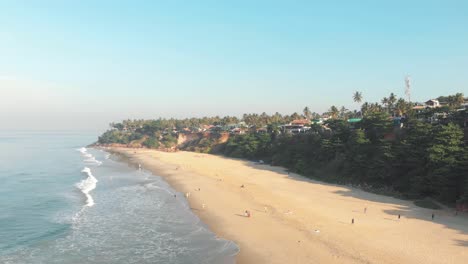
{"x":298,"y":220}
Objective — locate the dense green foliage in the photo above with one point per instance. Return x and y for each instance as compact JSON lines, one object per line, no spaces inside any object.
{"x":151,"y":142}
{"x":119,"y":137}
{"x":250,"y":146}
{"x":204,"y":144}
{"x":169,"y":140}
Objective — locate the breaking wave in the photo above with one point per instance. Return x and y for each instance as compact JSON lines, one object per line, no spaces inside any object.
{"x":83,"y":150}
{"x":89,"y":158}
{"x":87,"y":185}
{"x":93,"y":160}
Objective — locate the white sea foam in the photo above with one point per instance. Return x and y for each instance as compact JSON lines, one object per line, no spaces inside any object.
{"x":87,"y":185}
{"x":89,"y":158}
{"x":83,"y":150}
{"x":92,"y":160}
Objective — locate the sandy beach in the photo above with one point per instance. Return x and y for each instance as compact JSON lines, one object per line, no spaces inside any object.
{"x":297,"y":220}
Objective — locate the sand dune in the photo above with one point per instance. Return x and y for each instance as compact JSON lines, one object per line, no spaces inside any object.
{"x":296,"y":220}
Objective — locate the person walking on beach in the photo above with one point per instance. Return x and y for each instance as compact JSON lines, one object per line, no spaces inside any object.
{"x":352,"y":221}
{"x":398,"y":216}
{"x":432,"y":216}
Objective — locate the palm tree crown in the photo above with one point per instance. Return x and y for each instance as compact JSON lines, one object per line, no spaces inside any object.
{"x":357,"y":97}
{"x":334,"y":111}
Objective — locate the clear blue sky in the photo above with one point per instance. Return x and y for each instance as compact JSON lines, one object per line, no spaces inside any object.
{"x":87,"y":63}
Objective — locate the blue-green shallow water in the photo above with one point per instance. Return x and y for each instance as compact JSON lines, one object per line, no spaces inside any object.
{"x":129,"y":215}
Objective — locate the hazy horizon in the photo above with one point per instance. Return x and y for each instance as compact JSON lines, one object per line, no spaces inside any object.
{"x":80,"y":66}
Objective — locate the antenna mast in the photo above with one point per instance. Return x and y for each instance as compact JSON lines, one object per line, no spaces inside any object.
{"x":408,"y":87}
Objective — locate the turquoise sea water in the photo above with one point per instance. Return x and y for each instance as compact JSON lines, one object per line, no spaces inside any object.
{"x":62,"y":203}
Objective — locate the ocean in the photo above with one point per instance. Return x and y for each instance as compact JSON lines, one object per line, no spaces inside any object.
{"x":61,"y":202}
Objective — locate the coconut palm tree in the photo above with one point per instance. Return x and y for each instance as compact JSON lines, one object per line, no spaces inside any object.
{"x":333,"y":111}
{"x":392,"y":100}
{"x":357,"y":97}
{"x":277,"y":118}
{"x":457,"y":100}
{"x":375,"y":107}
{"x":343,"y":112}
{"x":315,"y":115}
{"x":401,"y":106}
{"x":295,"y":116}
{"x":365,"y":108}
{"x":384,"y":101}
